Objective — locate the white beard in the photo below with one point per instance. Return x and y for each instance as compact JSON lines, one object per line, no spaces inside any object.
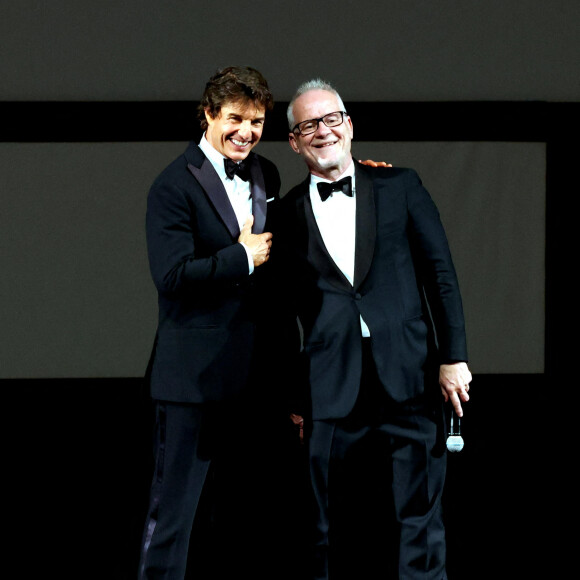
{"x":325,"y":163}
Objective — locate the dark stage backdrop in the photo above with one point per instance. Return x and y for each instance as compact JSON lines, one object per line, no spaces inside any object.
{"x":480,"y":97}
{"x":78,"y":317}
{"x":81,"y":301}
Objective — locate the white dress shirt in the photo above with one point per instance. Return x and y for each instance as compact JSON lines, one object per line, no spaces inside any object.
{"x":238,"y":190}
{"x":336,"y":220}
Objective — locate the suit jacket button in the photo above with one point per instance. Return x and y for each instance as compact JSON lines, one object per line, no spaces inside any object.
{"x":357,"y":296}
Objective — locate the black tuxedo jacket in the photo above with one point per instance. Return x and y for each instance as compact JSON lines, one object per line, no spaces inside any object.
{"x":210,"y":308}
{"x":405,"y":288}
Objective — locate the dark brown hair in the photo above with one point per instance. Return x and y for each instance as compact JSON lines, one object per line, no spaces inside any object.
{"x":233,"y":84}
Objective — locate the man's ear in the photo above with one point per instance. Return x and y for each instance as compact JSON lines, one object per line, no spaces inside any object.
{"x":349,"y":122}
{"x":208,"y":116}
{"x":293,"y":143}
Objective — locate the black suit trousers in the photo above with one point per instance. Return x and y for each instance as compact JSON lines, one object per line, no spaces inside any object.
{"x":386,"y":459}
{"x":198,"y":484}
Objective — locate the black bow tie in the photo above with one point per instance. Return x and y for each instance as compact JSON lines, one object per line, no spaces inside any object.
{"x":241,"y":169}
{"x":325,"y":189}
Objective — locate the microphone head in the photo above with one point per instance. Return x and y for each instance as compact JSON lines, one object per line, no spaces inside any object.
{"x":455,"y":443}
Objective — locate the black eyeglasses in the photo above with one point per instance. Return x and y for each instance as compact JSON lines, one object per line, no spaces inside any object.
{"x":311,"y":125}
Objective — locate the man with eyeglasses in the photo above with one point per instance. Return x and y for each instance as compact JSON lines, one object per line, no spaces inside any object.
{"x":374,"y":287}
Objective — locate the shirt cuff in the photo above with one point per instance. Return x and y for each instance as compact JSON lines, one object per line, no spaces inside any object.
{"x":250,"y":259}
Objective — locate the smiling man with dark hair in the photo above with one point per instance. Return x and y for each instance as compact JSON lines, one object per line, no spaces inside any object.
{"x":208,"y":239}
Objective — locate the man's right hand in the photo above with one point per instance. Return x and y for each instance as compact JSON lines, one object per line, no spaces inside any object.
{"x":258,"y":244}
{"x":298,"y":422}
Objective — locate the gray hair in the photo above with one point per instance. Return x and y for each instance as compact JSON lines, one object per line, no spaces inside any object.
{"x":312,"y":85}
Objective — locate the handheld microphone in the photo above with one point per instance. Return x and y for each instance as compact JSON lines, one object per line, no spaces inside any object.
{"x":455,"y":440}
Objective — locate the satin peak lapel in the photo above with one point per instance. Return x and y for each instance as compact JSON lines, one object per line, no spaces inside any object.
{"x":216,"y":192}
{"x":318,"y":254}
{"x":366,"y":226}
{"x":258,"y":189}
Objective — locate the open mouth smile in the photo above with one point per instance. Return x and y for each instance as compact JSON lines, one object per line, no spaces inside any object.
{"x":239,"y":143}
{"x":323,"y":145}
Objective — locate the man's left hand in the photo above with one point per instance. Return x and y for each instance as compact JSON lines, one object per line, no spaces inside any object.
{"x":454,"y":381}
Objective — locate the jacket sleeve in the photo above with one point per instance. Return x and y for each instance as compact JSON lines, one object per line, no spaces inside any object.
{"x":435,"y":271}
{"x":175,"y":261}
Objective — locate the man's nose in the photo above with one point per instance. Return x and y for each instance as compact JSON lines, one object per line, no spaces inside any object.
{"x":322,"y":129}
{"x":245,"y":130}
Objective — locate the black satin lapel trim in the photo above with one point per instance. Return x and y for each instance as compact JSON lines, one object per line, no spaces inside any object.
{"x":366,"y":226}
{"x":258,"y":188}
{"x":216,"y":192}
{"x":318,"y":254}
